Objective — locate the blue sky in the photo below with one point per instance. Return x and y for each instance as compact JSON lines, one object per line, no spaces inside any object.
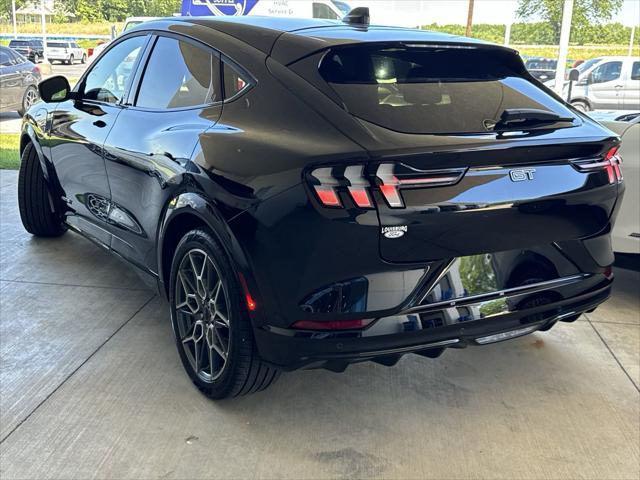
{"x":413,"y":12}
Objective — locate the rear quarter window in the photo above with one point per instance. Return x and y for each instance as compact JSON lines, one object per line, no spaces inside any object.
{"x":430,"y":89}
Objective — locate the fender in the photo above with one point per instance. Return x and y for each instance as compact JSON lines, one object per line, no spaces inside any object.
{"x":198,"y":205}
{"x":34,"y":128}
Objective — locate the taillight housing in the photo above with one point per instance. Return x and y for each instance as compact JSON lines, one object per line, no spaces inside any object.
{"x":610,"y":163}
{"x":358,"y":182}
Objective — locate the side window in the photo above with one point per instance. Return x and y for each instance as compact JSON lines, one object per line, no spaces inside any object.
{"x":179,"y":74}
{"x":635,"y":71}
{"x":6,"y":58}
{"x":108,"y":79}
{"x":234,"y":82}
{"x":320,"y":10}
{"x":607,"y":72}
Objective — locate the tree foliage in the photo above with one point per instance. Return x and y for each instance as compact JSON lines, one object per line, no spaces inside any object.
{"x":541,"y":33}
{"x":586,"y":13}
{"x":90,"y":11}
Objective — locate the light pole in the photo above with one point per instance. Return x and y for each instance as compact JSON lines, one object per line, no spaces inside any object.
{"x":565,"y":32}
{"x":44,"y":31}
{"x":15,"y":25}
{"x":469,"y":19}
{"x":633,"y":35}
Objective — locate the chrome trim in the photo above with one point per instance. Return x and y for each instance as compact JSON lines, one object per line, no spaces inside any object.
{"x":534,"y":287}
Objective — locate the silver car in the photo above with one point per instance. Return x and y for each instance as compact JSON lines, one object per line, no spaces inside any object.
{"x":610,"y":83}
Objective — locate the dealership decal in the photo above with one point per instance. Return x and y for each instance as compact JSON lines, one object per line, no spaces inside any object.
{"x":394,"y":232}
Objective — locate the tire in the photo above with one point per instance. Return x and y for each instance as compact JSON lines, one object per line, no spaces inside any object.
{"x":580,"y":105}
{"x":198,"y":310}
{"x":84,"y":58}
{"x":36,"y":58}
{"x":29,"y":97}
{"x":35,"y":203}
{"x":70,"y":61}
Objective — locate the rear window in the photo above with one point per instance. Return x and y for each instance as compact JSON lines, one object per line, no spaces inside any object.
{"x":57,"y":45}
{"x":432,"y":89}
{"x":19,"y":43}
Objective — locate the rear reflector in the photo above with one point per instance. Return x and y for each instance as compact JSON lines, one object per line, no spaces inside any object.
{"x":250,"y":302}
{"x":331,"y":324}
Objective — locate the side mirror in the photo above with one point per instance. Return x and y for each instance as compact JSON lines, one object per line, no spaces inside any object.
{"x":55,"y":89}
{"x":574,"y":75}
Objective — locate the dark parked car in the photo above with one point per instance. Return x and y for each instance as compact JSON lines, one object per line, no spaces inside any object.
{"x":19,"y":80}
{"x":311,"y":193}
{"x":31,"y":49}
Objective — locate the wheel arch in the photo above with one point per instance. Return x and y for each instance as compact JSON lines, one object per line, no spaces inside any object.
{"x":582,"y":99}
{"x":187,"y":211}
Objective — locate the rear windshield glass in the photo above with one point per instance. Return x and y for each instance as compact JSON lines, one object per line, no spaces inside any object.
{"x":57,"y":45}
{"x":432,"y":89}
{"x":19,"y":43}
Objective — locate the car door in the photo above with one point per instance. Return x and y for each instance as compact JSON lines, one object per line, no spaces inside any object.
{"x":150,"y":146}
{"x":10,"y":80}
{"x":605,"y":86}
{"x":631,"y":89}
{"x":79,"y":127}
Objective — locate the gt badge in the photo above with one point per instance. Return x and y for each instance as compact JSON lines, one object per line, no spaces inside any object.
{"x":521,"y":174}
{"x":394,"y":232}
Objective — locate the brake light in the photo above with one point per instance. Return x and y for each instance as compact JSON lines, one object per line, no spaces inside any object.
{"x":36,"y":69}
{"x":610,"y":163}
{"x":358,"y":186}
{"x":390,"y":178}
{"x":332,"y":324}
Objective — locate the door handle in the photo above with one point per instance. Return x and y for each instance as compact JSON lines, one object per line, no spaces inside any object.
{"x":100,"y":123}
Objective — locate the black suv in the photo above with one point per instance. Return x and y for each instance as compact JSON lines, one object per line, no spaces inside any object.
{"x":312,"y":193}
{"x":33,"y":50}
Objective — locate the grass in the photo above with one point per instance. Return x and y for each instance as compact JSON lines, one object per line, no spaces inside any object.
{"x":9,"y":151}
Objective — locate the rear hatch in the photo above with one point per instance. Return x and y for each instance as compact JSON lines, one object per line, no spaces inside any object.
{"x":57,"y":49}
{"x":470,"y":155}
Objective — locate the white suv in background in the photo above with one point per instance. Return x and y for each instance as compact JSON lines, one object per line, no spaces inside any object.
{"x":65,"y":52}
{"x":609,"y":83}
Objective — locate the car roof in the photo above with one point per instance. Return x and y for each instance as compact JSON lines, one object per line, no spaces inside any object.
{"x":288,"y":39}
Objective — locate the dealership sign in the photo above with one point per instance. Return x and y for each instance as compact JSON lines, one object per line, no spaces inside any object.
{"x":198,"y":8}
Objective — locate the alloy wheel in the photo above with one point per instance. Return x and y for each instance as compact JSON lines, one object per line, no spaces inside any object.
{"x":30,"y":97}
{"x":201,"y":304}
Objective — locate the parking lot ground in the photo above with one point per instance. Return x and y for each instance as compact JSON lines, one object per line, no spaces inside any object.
{"x":91,"y":387}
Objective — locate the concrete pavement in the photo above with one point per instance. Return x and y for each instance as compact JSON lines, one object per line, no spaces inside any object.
{"x":91,"y":387}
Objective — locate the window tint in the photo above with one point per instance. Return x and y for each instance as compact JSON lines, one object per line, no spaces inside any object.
{"x":108,"y":79}
{"x":635,"y":71}
{"x":234,"y":82}
{"x":6,"y":58}
{"x":320,"y":10}
{"x":179,"y":74}
{"x":432,"y":90}
{"x":606,"y":72}
{"x":57,"y":44}
{"x":19,"y":43}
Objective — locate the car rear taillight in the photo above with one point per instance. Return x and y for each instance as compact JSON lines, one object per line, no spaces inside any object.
{"x":610,"y":163}
{"x":392,"y":177}
{"x":388,"y":178}
{"x":35,"y":69}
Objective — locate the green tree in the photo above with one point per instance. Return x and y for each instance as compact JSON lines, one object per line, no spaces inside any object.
{"x":585,"y":13}
{"x":5,"y":8}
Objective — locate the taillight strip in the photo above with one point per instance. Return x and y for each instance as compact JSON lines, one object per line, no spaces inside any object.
{"x":611,"y":164}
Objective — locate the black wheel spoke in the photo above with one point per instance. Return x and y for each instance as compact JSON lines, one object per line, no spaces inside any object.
{"x":202,"y":315}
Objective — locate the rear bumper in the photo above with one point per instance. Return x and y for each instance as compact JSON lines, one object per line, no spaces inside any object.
{"x":415,"y":331}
